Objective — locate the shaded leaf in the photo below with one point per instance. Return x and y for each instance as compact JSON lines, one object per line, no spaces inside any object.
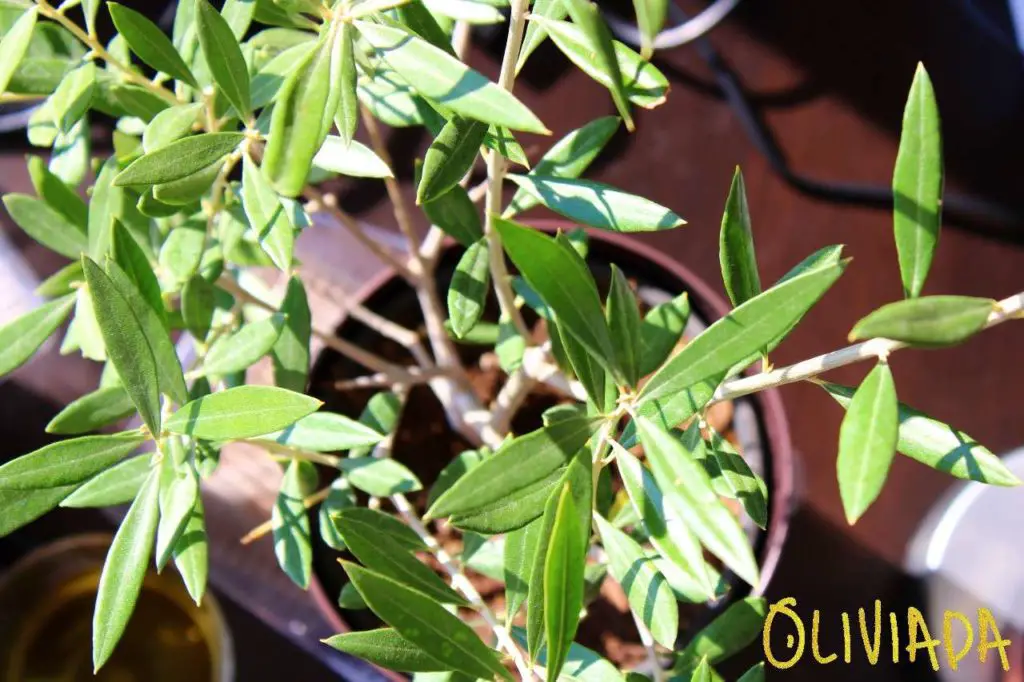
{"x":624,"y":324}
{"x":467,"y":294}
{"x":455,"y":213}
{"x":598,"y":205}
{"x":732,"y":477}
{"x":266,"y":215}
{"x":290,"y":352}
{"x":179,"y":490}
{"x":519,"y":463}
{"x":241,"y":412}
{"x":124,"y":570}
{"x":568,"y":157}
{"x":339,"y":497}
{"x":520,"y":550}
{"x":63,"y":282}
{"x":21,"y":338}
{"x":126,"y":344}
{"x":92,"y":411}
{"x":326,"y":432}
{"x":661,"y":331}
{"x":563,"y":582}
{"x":380,"y":477}
{"x":439,"y":76}
{"x":733,"y":630}
{"x":354,"y":159}
{"x":15,"y":44}
{"x":46,"y":225}
{"x":917,"y":185}
{"x":535,"y":31}
{"x":695,"y":501}
{"x":198,"y":301}
{"x":736,"y":246}
{"x":426,"y":624}
{"x":57,"y":194}
{"x":21,"y":507}
{"x":449,"y":157}
{"x":511,"y":511}
{"x":929,"y":321}
{"x":149,"y":42}
{"x":939,"y":445}
{"x":292,"y":544}
{"x":867,"y":441}
{"x":191,"y":553}
{"x":650,"y":598}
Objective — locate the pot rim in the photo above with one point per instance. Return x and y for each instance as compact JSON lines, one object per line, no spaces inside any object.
{"x":770,"y":408}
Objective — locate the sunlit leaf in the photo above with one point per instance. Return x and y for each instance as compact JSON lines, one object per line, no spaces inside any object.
{"x":150,"y":43}
{"x":929,"y":321}
{"x":449,"y":157}
{"x":386,"y":648}
{"x":266,"y":215}
{"x":292,"y":542}
{"x":354,"y":159}
{"x":22,"y":337}
{"x":736,"y":246}
{"x":92,"y":411}
{"x":467,"y":294}
{"x":223,"y":56}
{"x":179,"y":159}
{"x":117,"y":485}
{"x":47,"y":225}
{"x":241,"y":412}
{"x":563,"y":583}
{"x":68,"y":462}
{"x":624,"y":324}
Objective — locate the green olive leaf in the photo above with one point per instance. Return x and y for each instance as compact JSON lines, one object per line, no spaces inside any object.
{"x":930,"y":321}
{"x":467,"y":294}
{"x":191,"y":553}
{"x":939,"y":445}
{"x":92,"y":412}
{"x":21,"y":337}
{"x":917,"y":185}
{"x":736,"y":246}
{"x":623,"y":314}
{"x":729,"y":633}
{"x":292,"y":541}
{"x":437,"y":75}
{"x":380,"y":477}
{"x":353,"y":158}
{"x":587,"y":19}
{"x":387,"y":648}
{"x":223,"y":56}
{"x":426,"y":624}
{"x":520,"y":549}
{"x":47,"y":225}
{"x":266,"y":215}
{"x":867,"y":441}
{"x":241,"y":412}
{"x":68,"y":462}
{"x":150,"y":43}
{"x":563,"y":582}
{"x":650,"y":19}
{"x":117,"y":485}
{"x":236,"y":352}
{"x":450,"y":156}
{"x":179,"y":159}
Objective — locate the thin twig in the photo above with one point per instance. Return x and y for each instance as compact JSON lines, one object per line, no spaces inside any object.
{"x":510,"y":398}
{"x":383,"y":380}
{"x":268,"y":525}
{"x":496,"y":177}
{"x":292,"y":452}
{"x":1007,"y":309}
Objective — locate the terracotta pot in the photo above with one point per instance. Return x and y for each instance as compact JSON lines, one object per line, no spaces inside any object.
{"x":658,"y":275}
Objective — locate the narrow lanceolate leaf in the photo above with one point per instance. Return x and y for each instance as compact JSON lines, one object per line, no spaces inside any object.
{"x":350,"y":158}
{"x":939,"y":445}
{"x":518,"y":464}
{"x":237,"y":352}
{"x":170,"y":125}
{"x":68,"y":462}
{"x":734,"y":630}
{"x":746,"y":330}
{"x":695,"y":501}
{"x":439,"y":76}
{"x":563,"y":583}
{"x":340,"y":496}
{"x":223,"y":57}
{"x":379,"y":553}
{"x":512,"y":511}
{"x":71,"y":99}
{"x":126,"y":344}
{"x":467,"y":294}
{"x":449,"y":157}
{"x":650,"y":18}
{"x":587,"y":18}
{"x":148,"y":310}
{"x":92,"y":411}
{"x":755,"y":674}
{"x":917,"y":185}
{"x":241,"y":412}
{"x":867,"y":441}
{"x":14,"y":46}
{"x":661,"y":331}
{"x":21,"y":507}
{"x":179,"y":159}
{"x":598,"y":205}
{"x":930,"y":321}
{"x":63,"y":282}
{"x":562,"y":279}
{"x":191,"y":553}
{"x":290,"y":352}
{"x":47,"y":225}
{"x":579,"y":478}
{"x":150,"y":43}
{"x":326,"y":432}
{"x":134,"y":263}
{"x":57,"y":194}
{"x":732,"y":477}
{"x":386,"y":648}
{"x":23,"y":336}
{"x":266,"y":215}
{"x":198,"y":301}
{"x":380,"y":477}
{"x":703,"y":672}
{"x":520,"y":549}
{"x":568,"y":158}
{"x":426,"y":624}
{"x":297,"y":125}
{"x":124,"y":570}
{"x":347,"y":116}
{"x":649,"y":595}
{"x":668,"y":532}
{"x":736,"y":246}
{"x":117,"y":485}
{"x":645,"y":86}
{"x":292,"y":542}
{"x":455,"y":213}
{"x":179,"y":490}
{"x":624,"y":324}
{"x":396,"y":531}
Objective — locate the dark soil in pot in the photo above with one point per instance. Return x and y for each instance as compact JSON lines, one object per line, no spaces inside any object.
{"x":425,"y":443}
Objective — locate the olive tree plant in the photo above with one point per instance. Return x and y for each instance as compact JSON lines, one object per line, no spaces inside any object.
{"x":225,"y":130}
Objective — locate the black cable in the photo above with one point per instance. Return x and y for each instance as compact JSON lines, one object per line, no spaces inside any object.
{"x":962,"y":211}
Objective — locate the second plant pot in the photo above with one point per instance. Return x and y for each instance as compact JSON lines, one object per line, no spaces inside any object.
{"x":425,"y":443}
